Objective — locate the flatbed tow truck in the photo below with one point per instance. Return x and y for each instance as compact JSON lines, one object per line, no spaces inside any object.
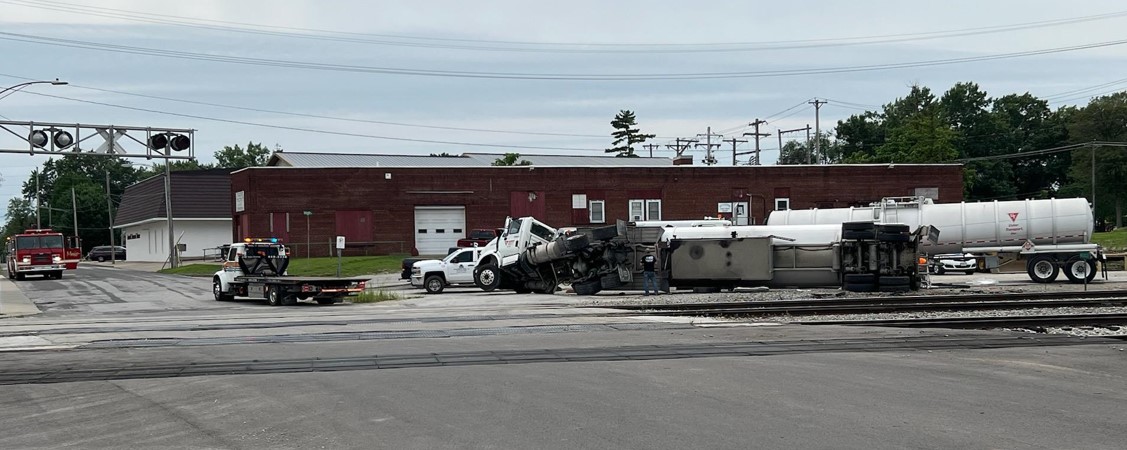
{"x":256,"y":268}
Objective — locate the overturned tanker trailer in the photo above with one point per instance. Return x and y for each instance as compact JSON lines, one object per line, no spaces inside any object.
{"x":858,"y":256}
{"x":862,"y":256}
{"x":1052,"y":235}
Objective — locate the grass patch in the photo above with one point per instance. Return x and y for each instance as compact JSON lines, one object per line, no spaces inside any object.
{"x":1112,"y":241}
{"x":375,"y":296}
{"x":351,"y":266}
{"x":194,"y":270}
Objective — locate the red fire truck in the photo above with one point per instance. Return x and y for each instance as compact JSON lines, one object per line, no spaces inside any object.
{"x":41,"y":251}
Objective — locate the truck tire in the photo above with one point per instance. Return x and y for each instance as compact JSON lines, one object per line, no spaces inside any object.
{"x":586,"y":288}
{"x":1042,"y":269}
{"x":434,"y":284}
{"x":273,"y":298}
{"x":576,"y":242}
{"x":1077,"y":270}
{"x":609,"y":281}
{"x":895,"y":280}
{"x":487,"y":277}
{"x":217,"y":291}
{"x":604,"y":233}
{"x":860,"y":278}
{"x":851,"y":235}
{"x":857,"y":226}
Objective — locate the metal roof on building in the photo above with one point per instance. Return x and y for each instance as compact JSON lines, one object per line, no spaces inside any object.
{"x":195,"y":194}
{"x":318,"y":160}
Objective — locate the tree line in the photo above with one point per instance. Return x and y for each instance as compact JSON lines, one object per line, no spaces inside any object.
{"x":92,"y":178}
{"x":1011,"y":145}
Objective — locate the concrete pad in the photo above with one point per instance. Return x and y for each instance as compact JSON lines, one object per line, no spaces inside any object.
{"x":12,"y":301}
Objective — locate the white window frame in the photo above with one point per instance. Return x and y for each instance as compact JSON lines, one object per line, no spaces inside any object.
{"x":641,"y":209}
{"x":782,"y":203}
{"x":651,"y":214}
{"x":599,"y":214}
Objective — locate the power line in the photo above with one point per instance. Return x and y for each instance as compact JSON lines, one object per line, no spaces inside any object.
{"x":318,"y":116}
{"x":537,"y":47}
{"x":89,"y":45}
{"x":312,"y":130}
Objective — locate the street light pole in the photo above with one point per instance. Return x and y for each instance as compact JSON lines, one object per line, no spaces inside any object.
{"x":8,"y":91}
{"x":17,"y":87}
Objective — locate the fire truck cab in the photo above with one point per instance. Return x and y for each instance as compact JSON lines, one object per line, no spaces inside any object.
{"x":40,"y":251}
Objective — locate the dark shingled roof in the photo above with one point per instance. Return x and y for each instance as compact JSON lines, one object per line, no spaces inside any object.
{"x":196,"y":194}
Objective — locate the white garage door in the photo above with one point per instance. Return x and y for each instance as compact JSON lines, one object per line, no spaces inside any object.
{"x":437,"y":228}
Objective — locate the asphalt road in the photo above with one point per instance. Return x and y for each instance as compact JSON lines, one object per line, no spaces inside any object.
{"x":134,"y":359}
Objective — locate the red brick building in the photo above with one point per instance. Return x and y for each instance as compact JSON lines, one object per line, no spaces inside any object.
{"x":390,"y":204}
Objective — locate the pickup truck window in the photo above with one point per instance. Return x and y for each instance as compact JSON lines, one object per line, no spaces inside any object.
{"x":463,"y":257}
{"x":482,"y":234}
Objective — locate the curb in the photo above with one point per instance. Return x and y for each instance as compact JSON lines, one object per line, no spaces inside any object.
{"x":12,"y":301}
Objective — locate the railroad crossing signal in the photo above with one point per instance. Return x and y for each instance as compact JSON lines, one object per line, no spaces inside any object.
{"x":122,"y":141}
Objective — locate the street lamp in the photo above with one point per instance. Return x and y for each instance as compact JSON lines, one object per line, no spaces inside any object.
{"x":17,"y":87}
{"x":11,"y":89}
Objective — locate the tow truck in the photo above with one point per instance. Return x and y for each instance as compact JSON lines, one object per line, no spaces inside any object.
{"x":256,"y":268}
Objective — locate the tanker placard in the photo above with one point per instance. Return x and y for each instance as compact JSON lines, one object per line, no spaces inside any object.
{"x":1013,"y":227}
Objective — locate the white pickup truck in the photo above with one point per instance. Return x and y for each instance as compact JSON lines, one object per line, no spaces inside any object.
{"x":455,"y":269}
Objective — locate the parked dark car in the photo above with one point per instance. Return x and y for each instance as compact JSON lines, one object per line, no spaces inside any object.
{"x":103,"y":253}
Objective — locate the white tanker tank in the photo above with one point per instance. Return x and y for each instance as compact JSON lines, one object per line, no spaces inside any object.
{"x":1051,"y":233}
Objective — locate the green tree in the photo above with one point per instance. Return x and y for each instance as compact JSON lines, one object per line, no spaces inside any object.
{"x":626,"y":134}
{"x":237,"y":157}
{"x":1026,"y":123}
{"x":801,"y":152}
{"x":511,"y":159}
{"x":1103,"y":119}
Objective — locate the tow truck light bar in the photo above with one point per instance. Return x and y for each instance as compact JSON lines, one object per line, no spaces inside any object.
{"x":272,"y":240}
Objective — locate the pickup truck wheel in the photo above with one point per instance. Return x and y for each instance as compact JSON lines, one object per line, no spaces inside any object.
{"x":434,"y":284}
{"x":273,"y":298}
{"x":487,"y":277}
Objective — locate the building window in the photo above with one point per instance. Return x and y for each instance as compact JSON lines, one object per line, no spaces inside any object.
{"x":597,"y":211}
{"x":645,"y":210}
{"x":782,"y":204}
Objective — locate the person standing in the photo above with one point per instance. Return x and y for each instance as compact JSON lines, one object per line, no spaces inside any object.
{"x":649,"y":275}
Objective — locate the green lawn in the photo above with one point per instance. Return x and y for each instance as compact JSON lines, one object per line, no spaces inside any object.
{"x":1112,"y":241}
{"x":313,"y":267}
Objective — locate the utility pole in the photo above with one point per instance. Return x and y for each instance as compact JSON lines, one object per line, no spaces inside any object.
{"x":708,"y":146}
{"x":168,"y":212}
{"x":735,"y":141}
{"x":651,"y":148}
{"x":681,"y":145}
{"x":754,"y":161}
{"x":109,"y":212}
{"x":817,"y":125}
{"x":37,"y":224}
{"x":781,"y":132}
{"x":74,"y":209}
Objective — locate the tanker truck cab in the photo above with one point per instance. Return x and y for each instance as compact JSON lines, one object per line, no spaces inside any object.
{"x":520,"y":235}
{"x":455,"y":269}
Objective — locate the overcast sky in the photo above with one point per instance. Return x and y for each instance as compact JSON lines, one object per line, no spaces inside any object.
{"x":526,"y":77}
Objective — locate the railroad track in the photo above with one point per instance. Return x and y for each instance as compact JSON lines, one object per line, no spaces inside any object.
{"x":1029,"y":322}
{"x":891,"y":304}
